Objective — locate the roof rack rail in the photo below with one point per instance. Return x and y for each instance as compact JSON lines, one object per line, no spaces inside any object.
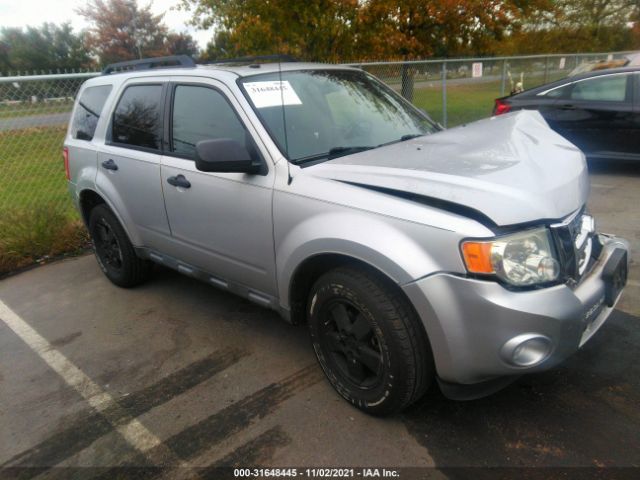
{"x":179,"y":61}
{"x":256,"y":59}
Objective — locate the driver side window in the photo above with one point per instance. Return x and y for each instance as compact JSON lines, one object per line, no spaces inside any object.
{"x":201,"y":113}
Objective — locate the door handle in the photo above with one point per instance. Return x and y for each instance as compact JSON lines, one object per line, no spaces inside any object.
{"x":567,"y":107}
{"x":110,"y":165}
{"x":179,"y":181}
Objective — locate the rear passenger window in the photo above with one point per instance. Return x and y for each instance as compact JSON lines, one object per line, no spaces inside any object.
{"x":201,"y":113}
{"x":601,"y":89}
{"x":137,"y":120}
{"x":88,"y":112}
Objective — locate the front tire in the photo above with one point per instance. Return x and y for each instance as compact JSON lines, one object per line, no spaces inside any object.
{"x":369,"y":341}
{"x":113,"y":249}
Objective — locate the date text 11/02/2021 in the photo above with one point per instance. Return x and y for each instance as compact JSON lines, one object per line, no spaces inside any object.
{"x":316,"y":472}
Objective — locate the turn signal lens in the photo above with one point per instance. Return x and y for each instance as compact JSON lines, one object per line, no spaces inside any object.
{"x":477,"y":257}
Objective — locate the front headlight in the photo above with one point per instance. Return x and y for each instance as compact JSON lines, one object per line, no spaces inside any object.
{"x":520,"y":259}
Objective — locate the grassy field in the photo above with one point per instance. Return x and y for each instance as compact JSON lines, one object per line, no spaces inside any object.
{"x":465,"y":102}
{"x":32,"y":167}
{"x":36,"y":216}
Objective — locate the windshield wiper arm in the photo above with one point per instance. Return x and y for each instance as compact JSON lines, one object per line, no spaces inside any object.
{"x":403,"y":138}
{"x":336,"y":152}
{"x":410,"y":136}
{"x":97,"y":115}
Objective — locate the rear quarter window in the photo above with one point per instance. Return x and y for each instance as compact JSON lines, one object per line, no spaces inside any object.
{"x":88,"y":111}
{"x":607,"y":88}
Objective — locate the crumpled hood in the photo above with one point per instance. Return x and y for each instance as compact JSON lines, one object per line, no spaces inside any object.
{"x":512,"y":168}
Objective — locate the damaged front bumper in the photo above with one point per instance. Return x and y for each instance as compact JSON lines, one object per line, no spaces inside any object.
{"x":480,"y":331}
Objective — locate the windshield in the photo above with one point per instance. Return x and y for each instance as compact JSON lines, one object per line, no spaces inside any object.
{"x":329,"y":113}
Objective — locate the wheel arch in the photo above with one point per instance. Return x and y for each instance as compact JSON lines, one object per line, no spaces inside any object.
{"x":89,"y":199}
{"x":314,"y":266}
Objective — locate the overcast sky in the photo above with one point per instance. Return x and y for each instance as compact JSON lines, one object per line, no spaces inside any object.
{"x":19,"y":13}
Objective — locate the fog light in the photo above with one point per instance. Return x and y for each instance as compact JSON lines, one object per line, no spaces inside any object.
{"x":526,"y":350}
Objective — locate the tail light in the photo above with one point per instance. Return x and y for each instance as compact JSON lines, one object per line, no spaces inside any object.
{"x":65,"y":155}
{"x":501,"y":107}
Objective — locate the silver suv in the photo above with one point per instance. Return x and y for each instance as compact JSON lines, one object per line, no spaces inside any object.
{"x":412,"y":253}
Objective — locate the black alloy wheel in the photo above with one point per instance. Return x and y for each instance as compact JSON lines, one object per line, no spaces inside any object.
{"x":114,"y":251}
{"x":107,"y":245}
{"x":354,"y":348}
{"x":368,"y":339}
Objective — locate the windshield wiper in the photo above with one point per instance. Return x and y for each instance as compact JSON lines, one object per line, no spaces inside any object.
{"x":404,"y":138}
{"x":97,"y":115}
{"x":336,"y":152}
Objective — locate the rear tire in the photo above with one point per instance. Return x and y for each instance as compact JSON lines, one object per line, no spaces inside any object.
{"x":113,"y":249}
{"x":369,"y":340}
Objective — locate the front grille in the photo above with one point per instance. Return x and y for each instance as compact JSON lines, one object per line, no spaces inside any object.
{"x":577,"y":244}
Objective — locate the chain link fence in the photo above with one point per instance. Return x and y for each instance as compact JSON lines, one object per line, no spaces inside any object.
{"x":36,"y":217}
{"x":35,"y":211}
{"x":458,"y":91}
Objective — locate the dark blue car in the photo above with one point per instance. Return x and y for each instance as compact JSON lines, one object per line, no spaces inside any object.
{"x":598,"y":111}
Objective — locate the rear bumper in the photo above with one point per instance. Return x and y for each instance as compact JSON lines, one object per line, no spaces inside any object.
{"x":471,"y":322}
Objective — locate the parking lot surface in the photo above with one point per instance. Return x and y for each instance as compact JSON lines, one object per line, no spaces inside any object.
{"x":176,"y":374}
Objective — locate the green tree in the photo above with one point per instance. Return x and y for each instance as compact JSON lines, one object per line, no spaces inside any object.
{"x":180,"y":44}
{"x":594,"y":14}
{"x":339,"y":30}
{"x":600,"y":23}
{"x":418,"y":28}
{"x":310,"y":29}
{"x":121,"y":30}
{"x":578,"y":26}
{"x":4,"y":56}
{"x":46,"y":48}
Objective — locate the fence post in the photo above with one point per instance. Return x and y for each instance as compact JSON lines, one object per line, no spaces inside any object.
{"x":546,"y":69}
{"x":407,"y":82}
{"x":503,"y":80}
{"x":444,"y":94}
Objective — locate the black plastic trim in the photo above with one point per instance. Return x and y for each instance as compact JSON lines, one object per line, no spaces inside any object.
{"x":258,"y":58}
{"x":615,"y":276}
{"x":172,"y":61}
{"x":462,"y":392}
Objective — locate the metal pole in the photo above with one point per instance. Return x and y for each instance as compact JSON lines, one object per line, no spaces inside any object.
{"x":444,"y":94}
{"x":546,"y":69}
{"x":503,"y":81}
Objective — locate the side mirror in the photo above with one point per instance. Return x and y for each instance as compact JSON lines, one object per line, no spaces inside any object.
{"x":225,"y":155}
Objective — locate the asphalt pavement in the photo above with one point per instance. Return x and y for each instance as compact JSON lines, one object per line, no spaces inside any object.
{"x":180,"y":376}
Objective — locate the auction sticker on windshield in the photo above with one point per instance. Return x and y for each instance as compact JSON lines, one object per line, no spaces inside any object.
{"x":272,"y":93}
